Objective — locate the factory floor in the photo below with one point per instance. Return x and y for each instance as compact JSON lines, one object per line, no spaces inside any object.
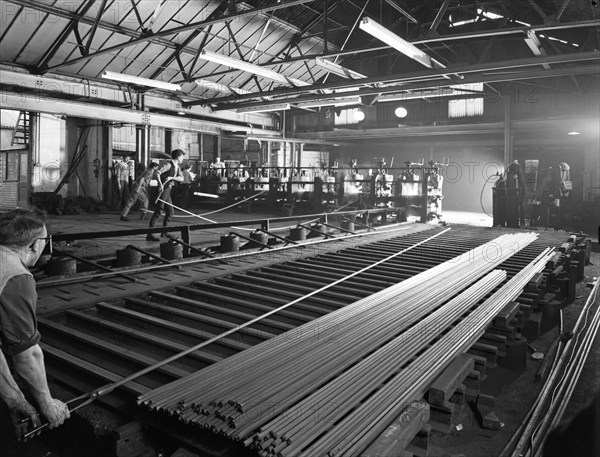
{"x":110,"y":221}
{"x":515,"y":391}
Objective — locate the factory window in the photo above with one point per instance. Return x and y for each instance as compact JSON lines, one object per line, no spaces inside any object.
{"x":466,"y":107}
{"x":12,"y":167}
{"x":346,"y":116}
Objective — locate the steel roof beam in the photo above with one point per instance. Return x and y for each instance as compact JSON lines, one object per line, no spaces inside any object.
{"x":71,"y":27}
{"x":218,"y":11}
{"x":138,"y":16}
{"x":439,"y":16}
{"x":40,"y":87}
{"x":540,"y":11}
{"x":405,"y":13}
{"x":435,"y":76}
{"x":562,"y":10}
{"x":428,"y":85}
{"x":22,"y":102}
{"x":99,"y":14}
{"x":463,"y":36}
{"x":138,"y":38}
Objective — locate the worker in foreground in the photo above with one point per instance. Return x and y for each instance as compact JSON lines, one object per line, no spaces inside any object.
{"x":23,"y":237}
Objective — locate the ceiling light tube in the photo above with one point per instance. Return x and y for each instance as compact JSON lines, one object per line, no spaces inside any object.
{"x":416,"y":95}
{"x":381,"y":33}
{"x":140,"y":81}
{"x":264,"y":108}
{"x":338,"y":69}
{"x":408,"y":49}
{"x":218,"y":87}
{"x":536,"y":46}
{"x":250,"y":68}
{"x":331,"y":102}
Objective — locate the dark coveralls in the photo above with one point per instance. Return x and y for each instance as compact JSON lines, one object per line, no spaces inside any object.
{"x":170,"y":169}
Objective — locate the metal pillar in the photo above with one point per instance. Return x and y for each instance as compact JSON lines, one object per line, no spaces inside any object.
{"x":142,"y":144}
{"x":108,"y":183}
{"x":508,"y":150}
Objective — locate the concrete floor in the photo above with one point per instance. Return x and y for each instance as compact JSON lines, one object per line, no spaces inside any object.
{"x":101,"y":247}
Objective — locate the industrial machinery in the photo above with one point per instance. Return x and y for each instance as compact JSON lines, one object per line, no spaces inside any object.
{"x":419,"y":190}
{"x":508,"y":198}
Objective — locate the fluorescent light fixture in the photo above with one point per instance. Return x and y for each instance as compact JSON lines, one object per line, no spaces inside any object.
{"x":536,"y":46}
{"x":251,"y":68}
{"x":218,"y":87}
{"x":140,"y":81}
{"x":489,"y":15}
{"x":338,"y":69}
{"x":381,"y":33}
{"x":344,"y":101}
{"x":264,"y":108}
{"x":574,"y":133}
{"x":459,"y":23}
{"x":416,"y":95}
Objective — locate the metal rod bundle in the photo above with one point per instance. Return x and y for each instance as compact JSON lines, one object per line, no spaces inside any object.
{"x":559,"y":385}
{"x":262,"y":395}
{"x":355,"y":432}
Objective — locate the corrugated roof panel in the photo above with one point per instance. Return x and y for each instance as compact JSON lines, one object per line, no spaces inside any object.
{"x":101,"y":39}
{"x":271,"y":45}
{"x":134,"y":62}
{"x":15,"y":39}
{"x":156,"y":62}
{"x":186,"y":60}
{"x":168,"y":16}
{"x":98,"y":63}
{"x":187,"y":12}
{"x":121,"y":12}
{"x":46,"y":34}
{"x":245,"y":35}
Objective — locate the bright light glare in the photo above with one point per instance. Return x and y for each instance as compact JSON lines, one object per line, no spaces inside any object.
{"x":401,"y":112}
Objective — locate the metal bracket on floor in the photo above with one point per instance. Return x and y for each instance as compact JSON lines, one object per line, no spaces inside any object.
{"x":285,"y":240}
{"x":189,"y":246}
{"x":153,"y":256}
{"x":338,"y":228}
{"x":308,"y":227}
{"x":368,"y":227}
{"x":93,"y":264}
{"x":251,"y":240}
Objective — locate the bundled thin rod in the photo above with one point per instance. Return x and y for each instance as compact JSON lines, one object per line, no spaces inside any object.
{"x":343,"y":357}
{"x":559,"y":385}
{"x":356,"y":431}
{"x":455,"y":270}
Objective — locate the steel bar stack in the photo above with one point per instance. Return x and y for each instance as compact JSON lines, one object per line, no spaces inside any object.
{"x":553,"y":399}
{"x":310,"y":388}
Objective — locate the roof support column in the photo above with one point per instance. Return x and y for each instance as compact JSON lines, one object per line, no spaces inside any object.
{"x":142,"y":144}
{"x":508,"y":140}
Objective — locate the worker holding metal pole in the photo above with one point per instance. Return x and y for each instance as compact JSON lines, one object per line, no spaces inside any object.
{"x":167,"y":176}
{"x":23,"y":237}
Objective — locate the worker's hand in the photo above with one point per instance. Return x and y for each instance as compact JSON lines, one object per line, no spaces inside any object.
{"x":24,"y":417}
{"x":56,"y":412}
